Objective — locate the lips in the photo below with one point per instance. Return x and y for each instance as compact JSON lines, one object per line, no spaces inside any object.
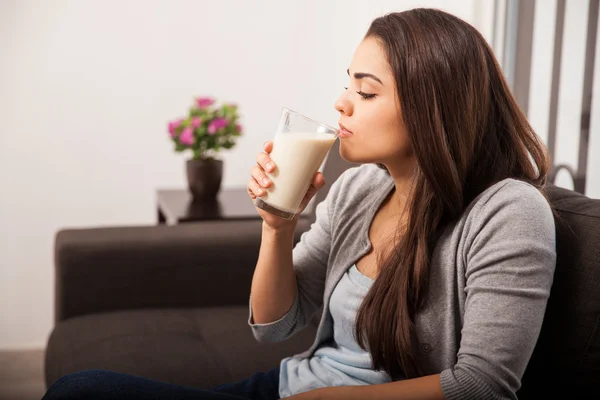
{"x":344,"y":132}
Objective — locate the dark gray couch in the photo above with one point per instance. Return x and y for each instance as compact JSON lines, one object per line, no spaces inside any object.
{"x":171,"y":303}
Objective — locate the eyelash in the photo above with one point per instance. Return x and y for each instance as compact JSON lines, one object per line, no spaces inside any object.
{"x":365,"y":96}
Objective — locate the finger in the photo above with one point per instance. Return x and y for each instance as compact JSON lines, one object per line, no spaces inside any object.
{"x":265,"y":162}
{"x":315,"y":186}
{"x":254,"y":189}
{"x":318,"y":181}
{"x":259,"y":175}
{"x":268,"y":146}
{"x":249,"y":190}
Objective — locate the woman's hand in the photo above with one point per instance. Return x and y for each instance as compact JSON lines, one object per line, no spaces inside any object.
{"x":259,"y":182}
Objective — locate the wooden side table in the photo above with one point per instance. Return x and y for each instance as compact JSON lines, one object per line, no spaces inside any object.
{"x":175,"y":206}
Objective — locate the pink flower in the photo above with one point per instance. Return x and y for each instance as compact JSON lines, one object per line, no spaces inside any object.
{"x":173,"y":125}
{"x":187,"y":136}
{"x":217,"y":124}
{"x":196,"y":122}
{"x":238,"y":128}
{"x":204,"y":102}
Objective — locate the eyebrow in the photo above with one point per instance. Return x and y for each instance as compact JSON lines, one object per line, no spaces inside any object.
{"x":360,"y":75}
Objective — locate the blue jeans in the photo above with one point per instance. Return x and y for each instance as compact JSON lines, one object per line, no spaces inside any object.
{"x":107,"y":385}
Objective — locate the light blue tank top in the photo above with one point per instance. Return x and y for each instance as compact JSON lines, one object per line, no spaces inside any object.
{"x":341,"y":362}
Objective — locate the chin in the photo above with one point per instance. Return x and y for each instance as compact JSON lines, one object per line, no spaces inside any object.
{"x":355,"y":156}
{"x":347,"y":154}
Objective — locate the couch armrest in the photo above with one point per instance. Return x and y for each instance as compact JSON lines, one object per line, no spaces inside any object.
{"x":189,"y":265}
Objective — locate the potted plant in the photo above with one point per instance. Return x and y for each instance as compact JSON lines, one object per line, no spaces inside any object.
{"x":206,"y":130}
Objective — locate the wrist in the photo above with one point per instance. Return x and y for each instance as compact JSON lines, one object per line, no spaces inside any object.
{"x":284,"y":229}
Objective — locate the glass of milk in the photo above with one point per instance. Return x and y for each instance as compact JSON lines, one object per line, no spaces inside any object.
{"x":299,"y":149}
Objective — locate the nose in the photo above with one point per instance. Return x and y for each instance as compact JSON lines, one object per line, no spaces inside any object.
{"x":343,"y":105}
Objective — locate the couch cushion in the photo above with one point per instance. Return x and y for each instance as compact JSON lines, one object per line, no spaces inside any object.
{"x":194,"y":347}
{"x":569,"y":344}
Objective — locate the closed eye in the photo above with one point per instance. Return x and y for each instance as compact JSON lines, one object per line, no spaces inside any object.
{"x":365,"y":96}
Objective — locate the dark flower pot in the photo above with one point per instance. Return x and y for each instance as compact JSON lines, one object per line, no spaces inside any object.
{"x":204,"y":178}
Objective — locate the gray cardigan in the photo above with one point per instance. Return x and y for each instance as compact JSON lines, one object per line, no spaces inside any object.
{"x":491,"y":273}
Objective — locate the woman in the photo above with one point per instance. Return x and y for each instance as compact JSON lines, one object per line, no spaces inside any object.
{"x":432,"y":261}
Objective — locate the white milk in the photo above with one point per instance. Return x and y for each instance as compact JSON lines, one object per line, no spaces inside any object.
{"x":297,"y":158}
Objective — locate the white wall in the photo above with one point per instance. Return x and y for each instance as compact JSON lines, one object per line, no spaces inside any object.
{"x":86,"y":90}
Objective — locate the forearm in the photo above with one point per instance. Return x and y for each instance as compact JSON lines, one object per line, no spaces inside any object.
{"x":274,"y":281}
{"x":423,"y":388}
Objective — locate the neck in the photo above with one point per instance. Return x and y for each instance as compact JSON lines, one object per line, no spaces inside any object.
{"x":402,"y":174}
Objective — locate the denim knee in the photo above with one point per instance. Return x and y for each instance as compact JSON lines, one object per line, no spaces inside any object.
{"x":79,"y":385}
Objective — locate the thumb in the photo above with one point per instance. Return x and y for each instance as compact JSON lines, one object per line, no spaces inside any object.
{"x":317,"y":183}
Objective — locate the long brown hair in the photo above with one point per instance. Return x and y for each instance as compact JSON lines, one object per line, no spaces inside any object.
{"x":467,"y":133}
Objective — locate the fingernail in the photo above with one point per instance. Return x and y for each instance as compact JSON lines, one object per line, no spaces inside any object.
{"x":265,"y":181}
{"x":268,"y":166}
